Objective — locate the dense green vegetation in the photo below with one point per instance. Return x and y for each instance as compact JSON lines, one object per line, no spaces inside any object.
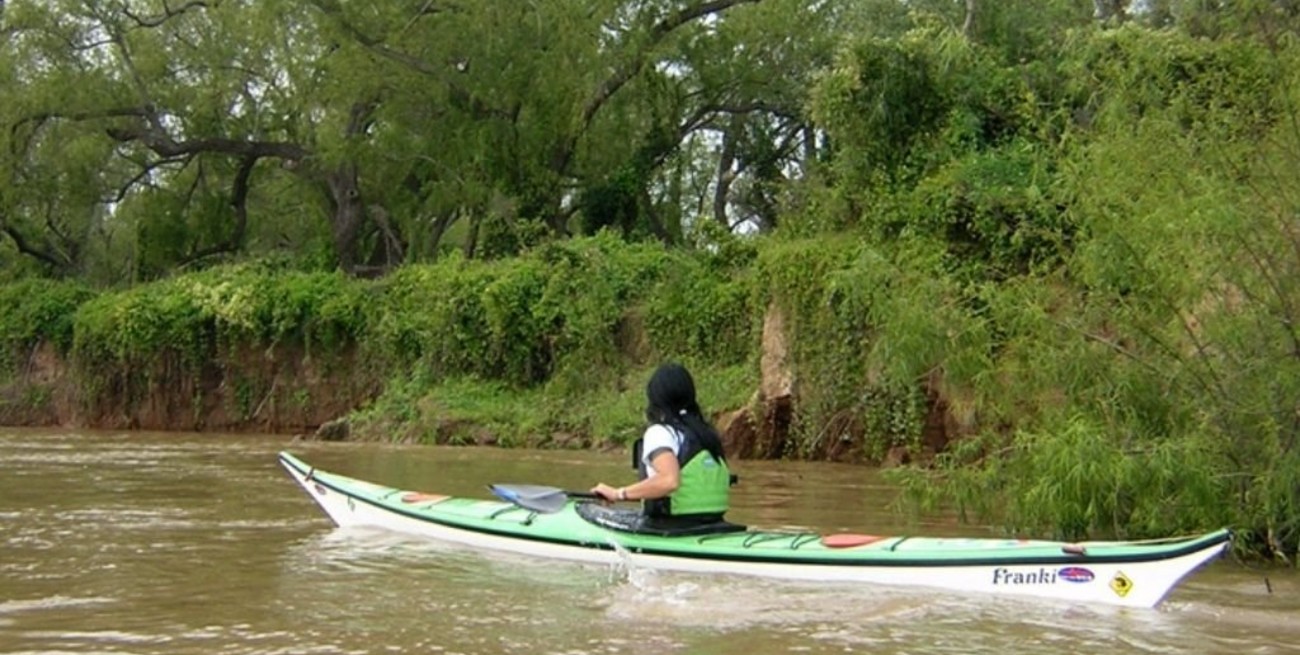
{"x":36,"y":311}
{"x":1074,"y":224}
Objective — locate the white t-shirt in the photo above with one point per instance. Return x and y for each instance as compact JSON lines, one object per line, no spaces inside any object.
{"x":658,"y":437}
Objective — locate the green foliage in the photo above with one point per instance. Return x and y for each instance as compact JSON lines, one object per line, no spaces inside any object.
{"x":866,"y":330}
{"x":1220,"y":90}
{"x":194,"y":315}
{"x":995,"y":212}
{"x":612,"y":204}
{"x":554,"y":333}
{"x":1146,"y":385}
{"x":615,"y":413}
{"x":418,"y":409}
{"x":591,"y":283}
{"x":941,"y":139}
{"x":461,"y":410}
{"x":880,"y":101}
{"x":702,"y":312}
{"x":1028,"y":30}
{"x":1083,"y":481}
{"x":37,"y":311}
{"x":554,"y":315}
{"x":503,"y":236}
{"x":432,"y":312}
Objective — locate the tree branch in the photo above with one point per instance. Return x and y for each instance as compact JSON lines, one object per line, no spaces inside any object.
{"x":25,"y":248}
{"x":725,"y":176}
{"x":658,"y":33}
{"x":62,"y":236}
{"x":41,"y":118}
{"x":751,"y":107}
{"x":145,"y":169}
{"x":115,"y":34}
{"x":145,"y":130}
{"x":623,"y":74}
{"x":165,"y":146}
{"x":238,"y":202}
{"x":464,"y":99}
{"x":168,"y":12}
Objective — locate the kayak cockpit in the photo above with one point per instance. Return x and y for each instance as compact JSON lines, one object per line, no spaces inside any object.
{"x":634,"y":522}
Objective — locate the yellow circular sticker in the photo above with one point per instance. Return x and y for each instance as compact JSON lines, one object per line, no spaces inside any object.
{"x":1121,"y":584}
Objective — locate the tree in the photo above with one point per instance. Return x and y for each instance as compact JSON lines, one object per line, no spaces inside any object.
{"x":175,"y":105}
{"x":215,"y":128}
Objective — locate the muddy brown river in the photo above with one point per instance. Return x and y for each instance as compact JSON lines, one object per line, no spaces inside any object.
{"x":187,"y":543}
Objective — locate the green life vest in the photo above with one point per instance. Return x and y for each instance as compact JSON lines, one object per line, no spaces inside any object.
{"x":704,"y":486}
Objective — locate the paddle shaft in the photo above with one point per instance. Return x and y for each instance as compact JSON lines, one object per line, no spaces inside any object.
{"x":538,"y":498}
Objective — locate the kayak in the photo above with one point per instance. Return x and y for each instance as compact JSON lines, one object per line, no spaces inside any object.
{"x":1125,"y":573}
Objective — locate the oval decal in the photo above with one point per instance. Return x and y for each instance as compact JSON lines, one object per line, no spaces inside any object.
{"x":1075,"y":574}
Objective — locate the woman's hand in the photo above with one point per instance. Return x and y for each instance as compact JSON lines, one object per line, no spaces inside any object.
{"x":610,"y":494}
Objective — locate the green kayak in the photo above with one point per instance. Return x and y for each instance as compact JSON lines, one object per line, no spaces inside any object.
{"x":542,"y":522}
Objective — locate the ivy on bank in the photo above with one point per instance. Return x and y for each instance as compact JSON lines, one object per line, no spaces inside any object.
{"x":37,"y":311}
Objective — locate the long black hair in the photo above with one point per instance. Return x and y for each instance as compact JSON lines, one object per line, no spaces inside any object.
{"x":670,"y":400}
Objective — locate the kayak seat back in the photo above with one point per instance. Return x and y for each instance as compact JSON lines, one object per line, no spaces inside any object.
{"x":625,"y":520}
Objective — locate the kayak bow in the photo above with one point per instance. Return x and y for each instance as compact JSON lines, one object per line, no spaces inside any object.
{"x":1136,"y":574}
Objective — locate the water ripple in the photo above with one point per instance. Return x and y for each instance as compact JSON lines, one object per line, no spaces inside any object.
{"x":51,"y":602}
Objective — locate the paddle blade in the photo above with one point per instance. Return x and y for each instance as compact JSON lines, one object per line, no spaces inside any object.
{"x":545,"y":500}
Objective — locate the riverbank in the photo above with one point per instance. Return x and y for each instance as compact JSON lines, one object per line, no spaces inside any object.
{"x":547,"y":350}
{"x":819,"y":349}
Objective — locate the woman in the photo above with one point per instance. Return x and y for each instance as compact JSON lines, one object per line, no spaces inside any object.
{"x":683,"y":474}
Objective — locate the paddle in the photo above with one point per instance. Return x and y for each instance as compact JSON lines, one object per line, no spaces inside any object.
{"x":546,"y":500}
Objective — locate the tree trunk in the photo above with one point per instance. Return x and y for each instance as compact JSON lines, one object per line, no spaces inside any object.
{"x":348,"y":213}
{"x":345,"y":194}
{"x":389,"y":249}
{"x":726,"y":160}
{"x":440,"y":226}
{"x":471,"y":237}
